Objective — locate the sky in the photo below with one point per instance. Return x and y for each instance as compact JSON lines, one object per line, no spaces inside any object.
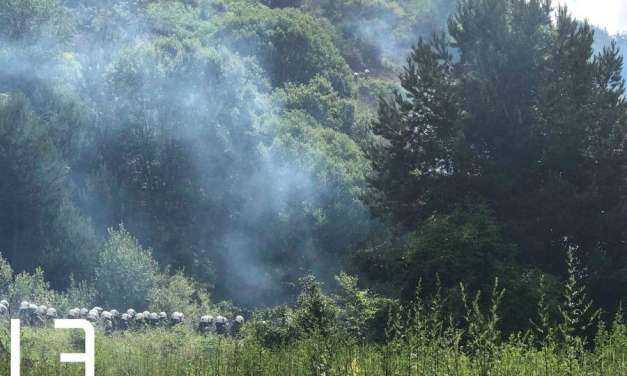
{"x":608,"y":14}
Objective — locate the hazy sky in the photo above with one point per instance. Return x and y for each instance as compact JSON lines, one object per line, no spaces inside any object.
{"x":609,"y":14}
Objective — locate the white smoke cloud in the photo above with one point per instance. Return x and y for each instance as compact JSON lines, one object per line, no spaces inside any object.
{"x":608,"y":14}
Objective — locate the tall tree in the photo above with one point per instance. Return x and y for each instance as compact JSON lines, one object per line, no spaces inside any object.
{"x":523,"y":119}
{"x":37,"y":219}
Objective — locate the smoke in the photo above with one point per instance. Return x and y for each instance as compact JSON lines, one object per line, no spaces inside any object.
{"x":181,"y":140}
{"x":394,"y":28}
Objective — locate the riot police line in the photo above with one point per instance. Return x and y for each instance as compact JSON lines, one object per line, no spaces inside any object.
{"x":111,"y":321}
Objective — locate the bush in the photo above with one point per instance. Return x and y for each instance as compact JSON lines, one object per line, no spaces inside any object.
{"x":322,"y":102}
{"x":126,"y":273}
{"x":79,"y":294}
{"x":33,"y":288}
{"x":315,"y":313}
{"x":273,"y":328}
{"x":361,"y":313}
{"x":179,"y":293}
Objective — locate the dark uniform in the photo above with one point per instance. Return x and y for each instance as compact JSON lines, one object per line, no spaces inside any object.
{"x":236,"y":325}
{"x":107,"y":322}
{"x":153,"y":319}
{"x":51,"y":315}
{"x":163,"y":319}
{"x":222,"y":327}
{"x":206,"y":324}
{"x":124,"y":323}
{"x":35,"y":315}
{"x":177,"y":318}
{"x":4,"y":311}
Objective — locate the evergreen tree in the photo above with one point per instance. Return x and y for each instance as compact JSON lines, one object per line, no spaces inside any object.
{"x":523,"y":119}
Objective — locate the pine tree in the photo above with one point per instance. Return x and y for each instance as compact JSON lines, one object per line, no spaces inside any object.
{"x":513,"y":112}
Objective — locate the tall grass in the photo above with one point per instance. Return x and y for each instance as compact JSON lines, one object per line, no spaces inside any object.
{"x":421,"y":351}
{"x":421,"y":338}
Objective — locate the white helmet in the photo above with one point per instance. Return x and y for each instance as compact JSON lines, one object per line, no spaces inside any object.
{"x":4,"y":302}
{"x":106,"y":315}
{"x":239,"y":319}
{"x":51,"y":312}
{"x":163,"y":315}
{"x":131,"y":312}
{"x":205,"y":319}
{"x":177,"y":316}
{"x":24,"y":304}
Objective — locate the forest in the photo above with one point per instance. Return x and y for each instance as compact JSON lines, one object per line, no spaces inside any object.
{"x":376,"y":186}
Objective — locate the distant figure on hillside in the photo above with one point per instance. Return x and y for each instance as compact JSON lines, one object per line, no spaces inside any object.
{"x":6,"y":305}
{"x":236,"y":325}
{"x":177,"y":318}
{"x":222,"y":325}
{"x":206,"y":324}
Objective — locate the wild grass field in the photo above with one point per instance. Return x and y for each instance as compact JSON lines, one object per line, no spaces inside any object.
{"x":418,"y":352}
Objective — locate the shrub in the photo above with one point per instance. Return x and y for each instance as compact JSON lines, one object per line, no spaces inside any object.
{"x":79,"y":294}
{"x":360,"y":314}
{"x":36,"y":289}
{"x":126,"y":273}
{"x":179,"y":293}
{"x":316,"y":312}
{"x":273,"y":328}
{"x":33,"y":288}
{"x":322,"y":102}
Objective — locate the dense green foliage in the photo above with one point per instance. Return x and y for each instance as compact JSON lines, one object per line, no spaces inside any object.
{"x":38,"y":220}
{"x":125,"y":273}
{"x":181,"y":121}
{"x":169,"y":154}
{"x":161,"y":353}
{"x":524,"y":121}
{"x":309,"y":341}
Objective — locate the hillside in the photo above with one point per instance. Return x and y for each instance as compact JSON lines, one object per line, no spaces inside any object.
{"x":354,"y":174}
